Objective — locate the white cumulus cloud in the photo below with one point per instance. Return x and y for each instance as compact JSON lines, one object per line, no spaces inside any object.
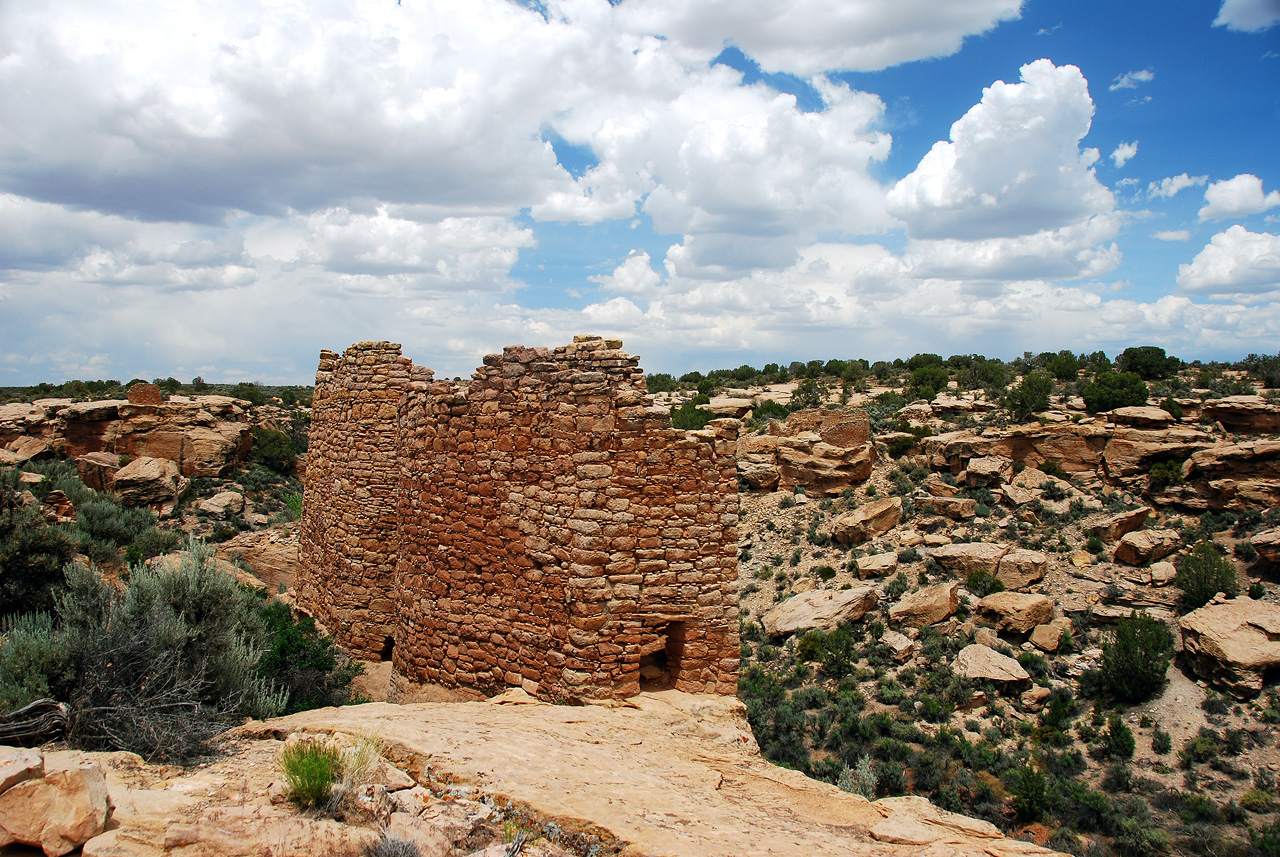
{"x":1124,"y":153}
{"x":1237,"y":197}
{"x":1249,"y":16}
{"x":1168,"y":187}
{"x":1172,"y":235}
{"x":1131,"y":79}
{"x":1234,"y":262}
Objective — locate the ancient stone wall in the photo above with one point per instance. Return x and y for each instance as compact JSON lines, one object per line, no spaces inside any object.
{"x":548,"y":529}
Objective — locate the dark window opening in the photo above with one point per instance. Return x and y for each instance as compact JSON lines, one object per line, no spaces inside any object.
{"x":388,"y":646}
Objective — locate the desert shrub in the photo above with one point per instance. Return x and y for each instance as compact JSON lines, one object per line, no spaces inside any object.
{"x":1135,"y":658}
{"x":908,"y":555}
{"x":809,"y":393}
{"x":1246,"y":551}
{"x":1171,"y":405}
{"x":153,"y":543}
{"x":302,"y":662}
{"x":392,"y":846}
{"x":1148,"y":362}
{"x":1095,"y":545}
{"x":895,"y":588}
{"x":1030,"y":396}
{"x":689,"y":416}
{"x":34,"y":662}
{"x":825,"y":572}
{"x":311,"y":769}
{"x":770,"y":410}
{"x":102,"y":518}
{"x":32,"y":555}
{"x":1202,"y":574}
{"x":1110,"y":390}
{"x":1117,"y":742}
{"x":927,"y":381}
{"x":1257,"y":800}
{"x":661,"y":382}
{"x":1257,"y":590}
{"x":273,"y":449}
{"x":983,"y":583}
{"x":1163,"y":474}
{"x":1054,"y":468}
{"x":1161,"y":742}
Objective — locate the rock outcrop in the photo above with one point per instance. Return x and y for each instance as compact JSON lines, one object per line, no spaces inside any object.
{"x":54,"y":810}
{"x":979,"y":663}
{"x":1232,"y":644}
{"x":1230,"y":476}
{"x":1267,"y":544}
{"x":1244,"y":414}
{"x":1143,"y":546}
{"x":823,"y":451}
{"x":1017,"y":612}
{"x":156,"y":483}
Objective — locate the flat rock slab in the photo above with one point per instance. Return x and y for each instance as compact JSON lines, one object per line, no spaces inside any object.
{"x":928,"y":606}
{"x":821,"y":608}
{"x":1016,"y":611}
{"x":983,"y":664}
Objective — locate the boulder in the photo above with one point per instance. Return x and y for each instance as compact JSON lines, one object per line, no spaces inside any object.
{"x":1109,"y":528}
{"x":1232,"y":644}
{"x":1161,"y":573}
{"x":966,"y":558}
{"x":879,"y":565}
{"x":982,"y":664}
{"x":58,"y":812}
{"x":1267,"y":544}
{"x":153,"y":482}
{"x":939,"y":487}
{"x":1018,"y":612}
{"x":866,"y":522}
{"x":17,"y":765}
{"x":222,"y":504}
{"x":1020,"y":568}
{"x":728,"y":406}
{"x":757,"y":458}
{"x":98,"y":469}
{"x":955,"y":508}
{"x":1143,"y":546}
{"x":988,"y":471}
{"x":927,"y":606}
{"x":821,"y":608}
{"x":901,"y":647}
{"x":1048,"y":637}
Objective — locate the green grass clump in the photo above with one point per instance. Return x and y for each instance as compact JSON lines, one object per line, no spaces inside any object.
{"x":311,"y":768}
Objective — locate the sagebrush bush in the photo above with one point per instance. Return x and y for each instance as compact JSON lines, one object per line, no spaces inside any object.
{"x":1135,"y":658}
{"x":32,"y":555}
{"x":103,"y":519}
{"x":1204,"y":573}
{"x":34,"y":662}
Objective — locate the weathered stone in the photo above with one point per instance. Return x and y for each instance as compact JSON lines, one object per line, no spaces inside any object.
{"x":1233,"y":644}
{"x":223,"y":504}
{"x":1048,"y":637}
{"x":1142,"y":416}
{"x":867,"y":522}
{"x":966,"y":558}
{"x":1143,"y":546}
{"x":822,"y":608}
{"x":1162,"y":573}
{"x":927,"y":606}
{"x":1018,"y":612}
{"x":901,"y":647}
{"x":1230,"y":476}
{"x":1020,"y":568}
{"x":1112,"y":527}
{"x":1246,"y":414}
{"x":982,"y":664}
{"x":98,"y":469}
{"x":955,"y":508}
{"x":142,"y":393}
{"x":878,"y":565}
{"x":57,"y":813}
{"x":18,"y":764}
{"x":1034,"y":698}
{"x":1267,"y":544}
{"x":156,"y":483}
{"x":988,"y":471}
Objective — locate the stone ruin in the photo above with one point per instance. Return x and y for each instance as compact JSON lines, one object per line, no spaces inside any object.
{"x":543,"y":526}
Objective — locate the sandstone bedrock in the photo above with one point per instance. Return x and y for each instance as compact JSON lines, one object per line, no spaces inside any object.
{"x":543,"y":526}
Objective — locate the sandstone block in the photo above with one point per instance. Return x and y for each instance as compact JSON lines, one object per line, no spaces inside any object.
{"x":153,"y":482}
{"x":1016,"y":611}
{"x":223,"y":504}
{"x":1111,"y":527}
{"x":823,"y":608}
{"x":955,"y":508}
{"x":988,"y":471}
{"x":867,"y":522}
{"x":1144,"y":546}
{"x":927,"y":606}
{"x":965,"y":559}
{"x":982,"y":664}
{"x":1020,"y":568}
{"x":879,"y":565}
{"x":1267,"y":544}
{"x":1233,"y":644}
{"x":58,"y":813}
{"x":17,"y":765}
{"x":1048,"y":637}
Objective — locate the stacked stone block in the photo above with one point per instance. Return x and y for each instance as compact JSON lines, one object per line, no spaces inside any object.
{"x":550,"y":529}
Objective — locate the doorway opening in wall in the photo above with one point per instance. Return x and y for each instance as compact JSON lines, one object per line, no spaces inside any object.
{"x":660,"y":660}
{"x":388,"y":646}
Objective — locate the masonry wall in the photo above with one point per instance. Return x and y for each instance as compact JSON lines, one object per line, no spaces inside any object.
{"x":549,"y":528}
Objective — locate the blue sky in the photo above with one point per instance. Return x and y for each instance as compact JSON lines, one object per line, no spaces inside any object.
{"x":226,"y":188}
